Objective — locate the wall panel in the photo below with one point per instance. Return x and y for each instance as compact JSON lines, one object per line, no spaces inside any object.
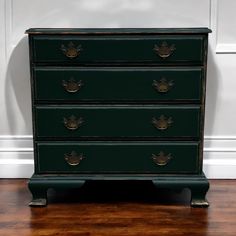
{"x":16,"y":152}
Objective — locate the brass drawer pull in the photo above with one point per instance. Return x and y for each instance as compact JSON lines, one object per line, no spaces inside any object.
{"x":162,"y":123}
{"x":73,"y":123}
{"x":73,"y":159}
{"x":162,"y":85}
{"x":72,"y":86}
{"x":164,"y":50}
{"x":161,"y":159}
{"x":71,"y":51}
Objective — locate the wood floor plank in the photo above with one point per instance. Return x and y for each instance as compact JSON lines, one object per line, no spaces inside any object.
{"x":106,"y":209}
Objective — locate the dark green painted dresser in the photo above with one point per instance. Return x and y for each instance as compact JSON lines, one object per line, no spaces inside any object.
{"x":118,"y":104}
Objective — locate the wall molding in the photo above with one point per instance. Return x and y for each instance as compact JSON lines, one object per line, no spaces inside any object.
{"x":213,"y":22}
{"x":16,"y":156}
{"x":226,"y":48}
{"x":220,"y":48}
{"x":2,"y":39}
{"x":8,"y":27}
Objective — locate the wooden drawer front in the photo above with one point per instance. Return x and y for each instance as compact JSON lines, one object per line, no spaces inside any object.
{"x":117,"y":121}
{"x":110,"y":49}
{"x":151,"y":157}
{"x":117,"y":84}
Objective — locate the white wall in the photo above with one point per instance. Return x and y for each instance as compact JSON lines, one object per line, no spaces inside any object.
{"x":16,"y":152}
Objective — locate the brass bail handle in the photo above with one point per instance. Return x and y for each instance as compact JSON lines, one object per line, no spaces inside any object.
{"x":162,"y":122}
{"x":161,"y":159}
{"x":164,"y":50}
{"x":162,"y":85}
{"x":73,"y":159}
{"x":72,"y":122}
{"x":71,"y":85}
{"x":71,"y":50}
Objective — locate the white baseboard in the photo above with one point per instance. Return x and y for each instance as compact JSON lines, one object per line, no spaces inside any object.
{"x":16,"y":165}
{"x":220,"y":157}
{"x":16,"y":157}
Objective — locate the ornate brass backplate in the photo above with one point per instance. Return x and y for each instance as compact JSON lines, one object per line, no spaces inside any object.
{"x":71,"y":51}
{"x":72,"y":123}
{"x":72,"y":86}
{"x":162,"y":123}
{"x":162,"y":85}
{"x":73,"y":159}
{"x":164,"y":50}
{"x":161,"y":159}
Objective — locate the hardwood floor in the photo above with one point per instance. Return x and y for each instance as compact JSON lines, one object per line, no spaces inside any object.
{"x":117,"y":209}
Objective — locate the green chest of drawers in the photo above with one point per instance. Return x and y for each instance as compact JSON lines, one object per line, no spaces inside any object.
{"x":118,"y":104}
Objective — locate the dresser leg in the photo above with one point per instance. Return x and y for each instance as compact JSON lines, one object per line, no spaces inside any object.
{"x":39,"y":194}
{"x":38,"y":202}
{"x":198,"y":192}
{"x":198,"y":185}
{"x":199,"y":198}
{"x":38,"y":186}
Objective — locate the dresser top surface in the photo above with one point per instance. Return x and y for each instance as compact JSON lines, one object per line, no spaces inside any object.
{"x":129,"y":31}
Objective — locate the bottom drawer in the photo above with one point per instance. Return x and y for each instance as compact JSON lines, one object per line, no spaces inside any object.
{"x":117,"y":157}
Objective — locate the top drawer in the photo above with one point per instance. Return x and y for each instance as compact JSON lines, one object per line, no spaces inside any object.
{"x":162,"y":49}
